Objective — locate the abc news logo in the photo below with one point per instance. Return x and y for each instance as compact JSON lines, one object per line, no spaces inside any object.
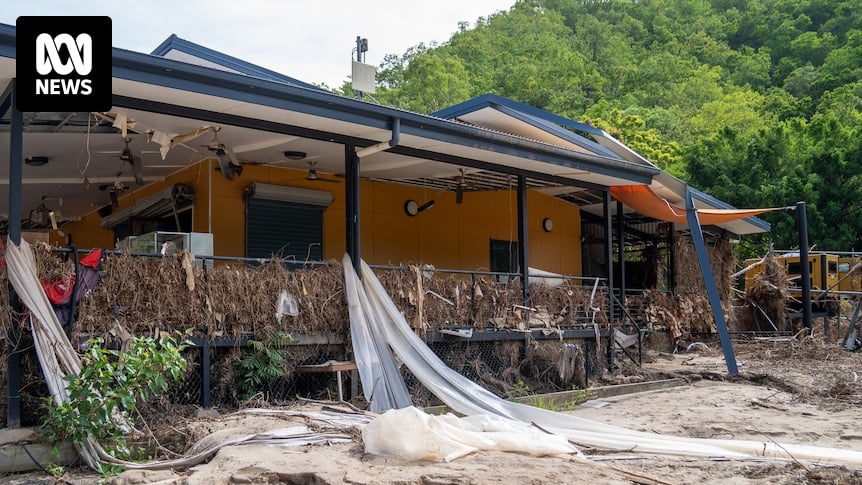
{"x":63,"y":63}
{"x":48,"y":61}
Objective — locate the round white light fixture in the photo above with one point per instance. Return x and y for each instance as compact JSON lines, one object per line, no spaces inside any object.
{"x":411,"y":207}
{"x":36,"y":161}
{"x":548,"y":224}
{"x":294,"y":155}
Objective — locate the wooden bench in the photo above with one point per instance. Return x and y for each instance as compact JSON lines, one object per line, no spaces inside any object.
{"x":330,"y":366}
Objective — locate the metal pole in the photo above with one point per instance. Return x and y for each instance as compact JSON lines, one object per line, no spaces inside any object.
{"x":206,"y":397}
{"x":671,"y":278}
{"x":609,"y":259}
{"x":709,"y":281}
{"x":16,"y":168}
{"x":210,"y":169}
{"x":351,"y":169}
{"x":804,"y":269}
{"x":523,"y":235}
{"x":621,"y":252}
{"x":359,"y":59}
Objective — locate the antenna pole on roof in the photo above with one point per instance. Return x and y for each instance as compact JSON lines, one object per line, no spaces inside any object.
{"x":361,"y":49}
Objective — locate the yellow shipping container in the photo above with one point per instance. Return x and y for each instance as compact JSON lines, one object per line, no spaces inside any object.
{"x":823,"y":269}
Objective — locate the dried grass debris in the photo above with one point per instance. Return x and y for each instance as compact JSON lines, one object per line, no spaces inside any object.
{"x":764,"y":303}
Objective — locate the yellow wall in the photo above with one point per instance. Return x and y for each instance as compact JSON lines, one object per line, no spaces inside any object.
{"x":87,"y":233}
{"x":448,"y":235}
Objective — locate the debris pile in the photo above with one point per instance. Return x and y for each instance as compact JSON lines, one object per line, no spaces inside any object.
{"x":146,"y":295}
{"x":763,"y":306}
{"x":688,"y":311}
{"x":142,"y":296}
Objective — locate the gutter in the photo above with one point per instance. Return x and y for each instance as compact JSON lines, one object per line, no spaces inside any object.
{"x":384,"y":145}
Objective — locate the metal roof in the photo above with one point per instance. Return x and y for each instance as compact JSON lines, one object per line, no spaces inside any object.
{"x":183,"y":50}
{"x":511,"y":116}
{"x":261,"y":119}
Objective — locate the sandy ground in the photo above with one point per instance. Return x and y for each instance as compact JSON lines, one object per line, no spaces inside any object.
{"x":799,"y":392}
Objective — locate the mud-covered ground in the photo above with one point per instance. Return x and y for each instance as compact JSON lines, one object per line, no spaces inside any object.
{"x":787,"y":391}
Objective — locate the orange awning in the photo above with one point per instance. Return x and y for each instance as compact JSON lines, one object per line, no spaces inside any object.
{"x":642,"y":199}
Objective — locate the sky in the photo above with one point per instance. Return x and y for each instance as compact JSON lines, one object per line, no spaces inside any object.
{"x":312,"y":41}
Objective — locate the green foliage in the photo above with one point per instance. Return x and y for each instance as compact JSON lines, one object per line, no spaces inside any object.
{"x":111,"y":383}
{"x":107,"y":471}
{"x":545,"y":403}
{"x":576,"y":397}
{"x":54,"y":469}
{"x":262,"y":366}
{"x":756,"y":102}
{"x":631,"y":129}
{"x":520,"y":389}
{"x":579,"y":396}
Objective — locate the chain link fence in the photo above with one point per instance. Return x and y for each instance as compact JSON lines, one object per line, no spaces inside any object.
{"x":507,"y":367}
{"x":506,"y":361}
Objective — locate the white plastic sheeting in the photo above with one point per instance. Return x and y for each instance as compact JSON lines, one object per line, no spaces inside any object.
{"x":468,"y":398}
{"x":382,"y":384}
{"x":411,"y":434}
{"x":56,"y":354}
{"x":58,"y":358}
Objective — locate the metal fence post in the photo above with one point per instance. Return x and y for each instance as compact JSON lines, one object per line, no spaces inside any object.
{"x":206,"y":394}
{"x":16,"y":167}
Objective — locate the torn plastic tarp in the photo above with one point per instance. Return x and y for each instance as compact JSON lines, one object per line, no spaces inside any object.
{"x":411,"y":434}
{"x":468,"y":398}
{"x":58,"y":359}
{"x":382,"y":384}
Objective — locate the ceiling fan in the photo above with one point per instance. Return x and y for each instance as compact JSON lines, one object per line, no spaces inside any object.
{"x":126,"y":155}
{"x":114,"y":190}
{"x":227,"y":161}
{"x":45,"y":216}
{"x":459,"y":188}
{"x":313,"y":176}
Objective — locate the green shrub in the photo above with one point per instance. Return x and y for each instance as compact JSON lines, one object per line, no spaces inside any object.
{"x":105,"y":393}
{"x":259,"y":369}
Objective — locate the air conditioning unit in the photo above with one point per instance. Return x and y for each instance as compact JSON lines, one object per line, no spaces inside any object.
{"x":168,"y":243}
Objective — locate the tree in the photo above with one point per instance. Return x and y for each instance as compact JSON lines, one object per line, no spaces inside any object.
{"x":444,"y":82}
{"x":757,"y":102}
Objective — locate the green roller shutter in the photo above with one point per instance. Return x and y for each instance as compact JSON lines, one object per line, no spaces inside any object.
{"x":285,"y":229}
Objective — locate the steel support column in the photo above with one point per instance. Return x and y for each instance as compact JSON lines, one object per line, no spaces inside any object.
{"x":609,"y":259}
{"x":16,"y":167}
{"x":671,"y":279}
{"x":523,"y":242}
{"x":351,"y":170}
{"x":621,"y":252}
{"x":804,"y":269}
{"x":709,"y":281}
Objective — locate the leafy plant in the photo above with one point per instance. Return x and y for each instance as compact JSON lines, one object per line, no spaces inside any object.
{"x":107,"y":471}
{"x":105,"y":393}
{"x":545,"y":403}
{"x":575,"y":398}
{"x":262,"y":366}
{"x":54,"y":469}
{"x":520,"y":389}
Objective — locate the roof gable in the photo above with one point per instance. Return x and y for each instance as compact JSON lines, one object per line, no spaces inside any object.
{"x":179,"y":49}
{"x":506,"y":115}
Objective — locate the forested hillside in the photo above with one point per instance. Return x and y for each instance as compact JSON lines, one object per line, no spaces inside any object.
{"x":757,"y":102}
